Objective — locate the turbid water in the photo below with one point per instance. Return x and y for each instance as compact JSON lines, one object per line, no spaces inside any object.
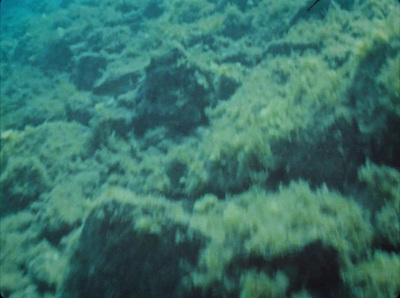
{"x":203,"y":148}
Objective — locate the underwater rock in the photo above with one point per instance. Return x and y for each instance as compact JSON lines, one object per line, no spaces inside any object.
{"x":88,"y":70}
{"x":314,"y":267}
{"x":122,"y":253}
{"x":174,"y":94}
{"x":22,"y":182}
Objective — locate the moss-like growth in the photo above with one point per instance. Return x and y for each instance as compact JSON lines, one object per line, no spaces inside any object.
{"x":272,"y":231}
{"x":376,"y":277}
{"x":22,"y":181}
{"x":260,"y":285}
{"x":384,"y":185}
{"x":59,"y":146}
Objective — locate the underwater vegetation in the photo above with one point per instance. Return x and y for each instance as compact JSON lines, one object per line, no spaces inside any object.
{"x":204,"y":148}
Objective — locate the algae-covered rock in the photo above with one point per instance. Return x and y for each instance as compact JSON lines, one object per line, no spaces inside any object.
{"x":22,"y":181}
{"x":46,"y":266}
{"x":88,"y":70}
{"x":14,"y":242}
{"x":375,"y":277}
{"x":383,"y":184}
{"x":130,"y":248}
{"x":29,"y":265}
{"x":174,"y":94}
{"x":28,"y":95}
{"x":57,"y":145}
{"x":64,"y":208}
{"x":258,"y":285}
{"x":109,"y":120}
{"x":307,"y":235}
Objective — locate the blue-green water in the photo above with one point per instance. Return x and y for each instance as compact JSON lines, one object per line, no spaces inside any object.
{"x":165,"y":148}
